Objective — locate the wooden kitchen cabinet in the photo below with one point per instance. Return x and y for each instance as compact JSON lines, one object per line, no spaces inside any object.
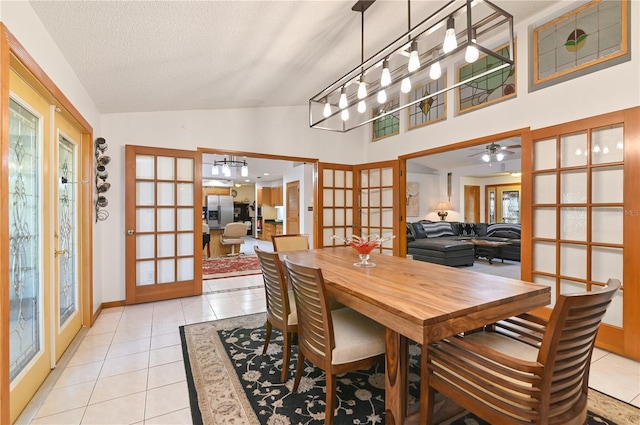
{"x":264,"y":196}
{"x":276,"y":195}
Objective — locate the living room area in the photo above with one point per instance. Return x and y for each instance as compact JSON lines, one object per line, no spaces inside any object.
{"x":463,"y":207}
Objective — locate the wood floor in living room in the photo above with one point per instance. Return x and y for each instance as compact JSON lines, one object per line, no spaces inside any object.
{"x":128,"y":367}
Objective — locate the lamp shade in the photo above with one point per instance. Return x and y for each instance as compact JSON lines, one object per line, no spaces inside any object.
{"x":443,"y":206}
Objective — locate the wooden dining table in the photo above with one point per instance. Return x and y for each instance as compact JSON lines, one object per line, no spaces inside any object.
{"x":420,"y":301}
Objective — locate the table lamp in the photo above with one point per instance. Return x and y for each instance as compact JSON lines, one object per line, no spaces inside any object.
{"x":442,"y":206}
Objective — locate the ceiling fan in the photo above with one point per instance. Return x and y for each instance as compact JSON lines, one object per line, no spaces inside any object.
{"x":494,"y":151}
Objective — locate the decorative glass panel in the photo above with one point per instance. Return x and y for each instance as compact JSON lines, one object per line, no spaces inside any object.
{"x":166,"y":169}
{"x":339,"y":193}
{"x":349,"y":179}
{"x":166,"y":245}
{"x":573,"y":261}
{"x":145,"y":193}
{"x":166,"y":271}
{"x":339,"y":178}
{"x":607,"y":145}
{"x":166,"y":219}
{"x":67,"y":236}
{"x":544,"y":188}
{"x":548,"y":281}
{"x":364,"y":178}
{"x":327,"y":217}
{"x":607,"y":185}
{"x":544,"y":223}
{"x":544,"y":257}
{"x":185,"y":269}
{"x":613,"y":316}
{"x":185,"y":169}
{"x":573,"y":187}
{"x":349,"y":217}
{"x":573,"y":224}
{"x":348,"y":199}
{"x":327,"y":196}
{"x":339,"y":218}
{"x":573,"y":150}
{"x":145,"y":167}
{"x":606,"y":225}
{"x":606,"y":263}
{"x":389,"y":124}
{"x":185,"y":194}
{"x":185,"y":244}
{"x":145,"y":246}
{"x":374,"y":198}
{"x":387,"y":177}
{"x":364,"y":198}
{"x":326,"y":237}
{"x":327,"y":178}
{"x":571,"y":287}
{"x":185,"y":219}
{"x":364,"y":218}
{"x":387,"y":217}
{"x":374,"y":177}
{"x":374,"y":218}
{"x":145,"y":273}
{"x":166,"y":194}
{"x":544,"y":154}
{"x":24,"y":268}
{"x":145,"y":220}
{"x":387,"y":197}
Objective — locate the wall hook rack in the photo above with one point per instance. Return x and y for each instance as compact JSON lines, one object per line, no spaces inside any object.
{"x":102,"y":186}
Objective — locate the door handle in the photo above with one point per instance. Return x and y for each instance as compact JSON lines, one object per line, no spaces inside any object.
{"x":60,"y":251}
{"x":131,"y":232}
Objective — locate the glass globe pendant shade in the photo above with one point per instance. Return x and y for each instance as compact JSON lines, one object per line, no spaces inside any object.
{"x":327,"y":109}
{"x":382,"y":97}
{"x":362,"y":106}
{"x":362,"y":90}
{"x":414,"y":58}
{"x":385,"y":79}
{"x":405,"y":87}
{"x":344,"y":114}
{"x":450,"y":42}
{"x":342,"y":103}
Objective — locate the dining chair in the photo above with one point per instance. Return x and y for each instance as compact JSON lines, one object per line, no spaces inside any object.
{"x":523,"y":370}
{"x":281,"y":307}
{"x":336,"y":341}
{"x":283,"y":243}
{"x":232,"y":235}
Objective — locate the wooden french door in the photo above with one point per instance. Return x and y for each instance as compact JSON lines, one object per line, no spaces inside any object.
{"x":359,"y":200}
{"x":46,"y":258}
{"x":293,"y":207}
{"x":584,"y":219}
{"x":163,"y":212}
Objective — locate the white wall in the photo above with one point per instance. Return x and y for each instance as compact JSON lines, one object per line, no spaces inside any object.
{"x":429,"y":195}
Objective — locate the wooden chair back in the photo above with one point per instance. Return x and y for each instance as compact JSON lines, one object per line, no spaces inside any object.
{"x":281,"y":312}
{"x":502,"y":388}
{"x":283,"y":243}
{"x":315,"y":323}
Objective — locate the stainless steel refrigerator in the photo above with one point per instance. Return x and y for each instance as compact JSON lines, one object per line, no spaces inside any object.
{"x":219,"y":211}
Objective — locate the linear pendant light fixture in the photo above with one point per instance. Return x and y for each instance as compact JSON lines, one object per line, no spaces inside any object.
{"x":441,"y":41}
{"x":225,"y":166}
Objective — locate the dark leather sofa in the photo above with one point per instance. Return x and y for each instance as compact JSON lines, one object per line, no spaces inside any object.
{"x":446,"y":243}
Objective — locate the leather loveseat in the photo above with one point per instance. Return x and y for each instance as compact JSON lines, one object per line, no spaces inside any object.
{"x":435,"y":242}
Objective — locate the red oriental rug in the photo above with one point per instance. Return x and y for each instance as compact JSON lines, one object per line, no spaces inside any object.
{"x":216,"y":268}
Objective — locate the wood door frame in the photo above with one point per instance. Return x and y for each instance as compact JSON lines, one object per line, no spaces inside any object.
{"x":476,"y":209}
{"x":14,"y":55}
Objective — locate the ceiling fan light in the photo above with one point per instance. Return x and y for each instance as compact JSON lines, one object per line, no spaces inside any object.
{"x":450,"y":42}
{"x":343,"y":99}
{"x":500,"y":156}
{"x":486,"y":157}
{"x":385,"y":79}
{"x":362,"y":106}
{"x":382,"y":96}
{"x":362,"y":89}
{"x":405,"y":87}
{"x":414,"y":58}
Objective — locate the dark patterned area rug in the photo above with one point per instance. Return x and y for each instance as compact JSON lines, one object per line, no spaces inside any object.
{"x":231,"y":382}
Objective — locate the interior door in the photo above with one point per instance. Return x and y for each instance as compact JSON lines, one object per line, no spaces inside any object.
{"x":67,"y":305}
{"x":293,"y":207}
{"x":378,"y":204}
{"x":336,"y":197}
{"x":163,"y":211}
{"x":471,"y":204}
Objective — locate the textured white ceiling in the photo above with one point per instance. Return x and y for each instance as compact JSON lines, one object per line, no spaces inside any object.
{"x":137,"y":56}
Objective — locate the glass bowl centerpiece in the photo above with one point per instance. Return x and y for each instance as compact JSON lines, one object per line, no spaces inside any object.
{"x":364,"y":245}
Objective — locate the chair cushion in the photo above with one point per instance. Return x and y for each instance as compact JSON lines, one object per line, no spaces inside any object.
{"x":226,"y":241}
{"x":356,"y":336}
{"x":293,"y":317}
{"x":504,"y":345}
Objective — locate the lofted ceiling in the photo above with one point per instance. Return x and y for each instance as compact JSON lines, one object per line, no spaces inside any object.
{"x":140,"y":56}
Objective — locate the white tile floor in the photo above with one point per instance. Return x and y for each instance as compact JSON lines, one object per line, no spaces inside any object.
{"x":128,"y":369}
